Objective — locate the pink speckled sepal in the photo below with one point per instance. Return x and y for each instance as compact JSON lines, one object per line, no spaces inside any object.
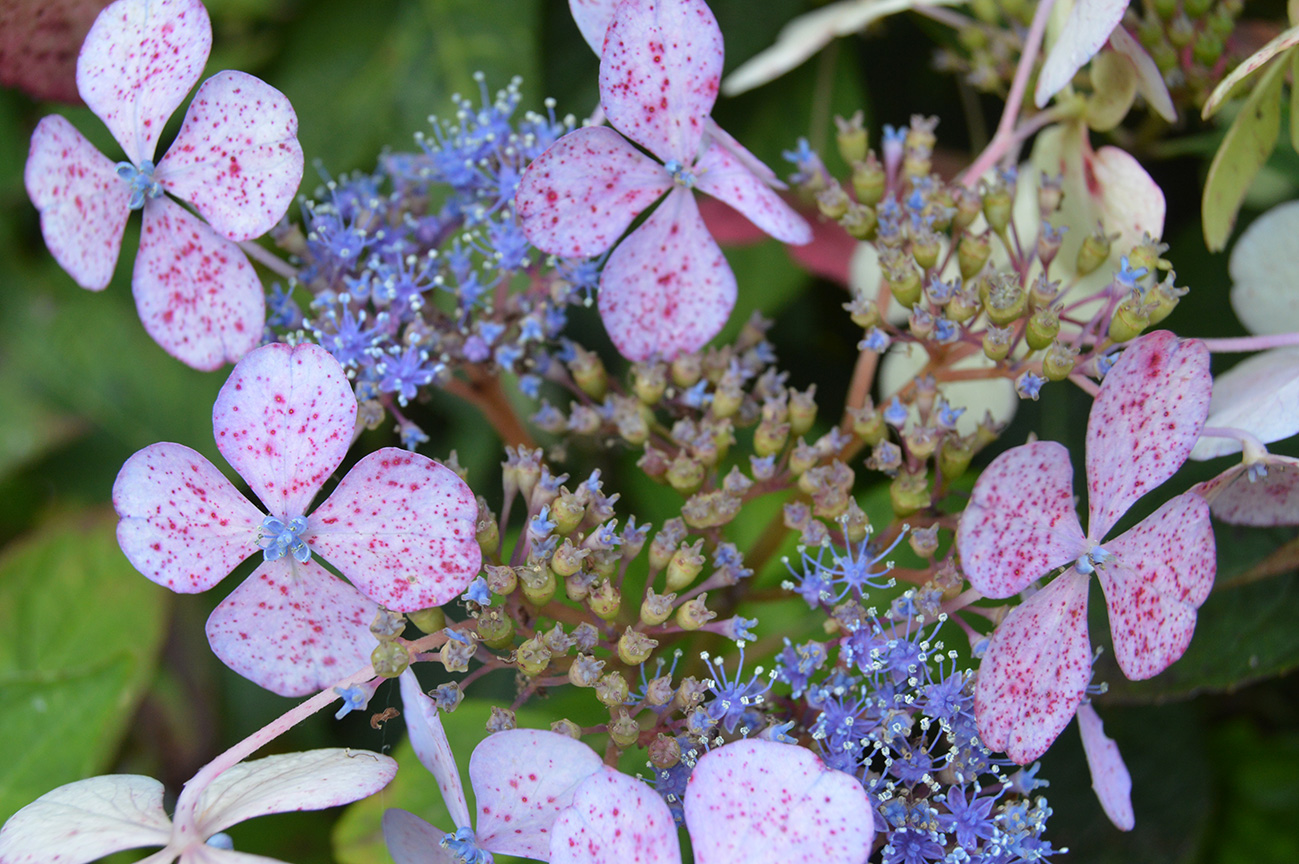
{"x":139,"y":60}
{"x":401,"y":527}
{"x":581,"y":194}
{"x":196,"y":293}
{"x":1148,"y":416}
{"x":1161,"y":572}
{"x":761,"y":801}
{"x":284,"y":421}
{"x":615,"y":819}
{"x":522,"y":779}
{"x":87,"y":820}
{"x":293,"y":628}
{"x":411,"y":840}
{"x":82,"y":201}
{"x":723,"y":176}
{"x":1020,"y":523}
{"x":667,"y":289}
{"x":1110,"y":778}
{"x":741,"y":154}
{"x":592,"y":18}
{"x":1265,"y":502}
{"x":183,"y":524}
{"x":1035,"y":671}
{"x":429,"y":740}
{"x":659,"y":74}
{"x":237,"y":157}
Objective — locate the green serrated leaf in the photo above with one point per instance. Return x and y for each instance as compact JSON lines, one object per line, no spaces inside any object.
{"x":80,"y":632}
{"x":1248,"y":143}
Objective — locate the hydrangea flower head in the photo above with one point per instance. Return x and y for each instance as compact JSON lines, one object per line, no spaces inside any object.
{"x":399,"y":526}
{"x":236,"y":159}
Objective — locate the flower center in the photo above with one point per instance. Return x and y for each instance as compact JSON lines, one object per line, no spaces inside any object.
{"x":141,"y":182}
{"x":1088,"y":563}
{"x":278,"y":538}
{"x":464,"y":845}
{"x":680,"y":175}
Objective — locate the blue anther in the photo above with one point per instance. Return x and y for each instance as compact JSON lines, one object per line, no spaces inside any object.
{"x":1088,"y":563}
{"x":278,"y":539}
{"x":679,"y":173}
{"x":141,"y":182}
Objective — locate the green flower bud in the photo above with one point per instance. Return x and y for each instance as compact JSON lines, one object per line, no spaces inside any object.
{"x":909,"y":493}
{"x":971,"y":254}
{"x":501,"y":720}
{"x":566,"y":511}
{"x":868,"y":424}
{"x":728,"y":398}
{"x":860,"y":221}
{"x":659,"y":691}
{"x":1130,"y":319}
{"x":954,"y":455}
{"x":495,"y":628}
{"x":868,"y":180}
{"x":539,"y":584}
{"x":856,"y":524}
{"x":611,"y":690}
{"x":533,"y":657}
{"x":851,"y":138}
{"x":1042,"y":328}
{"x":588,"y":373}
{"x":1050,"y":193}
{"x":455,"y":655}
{"x":1165,"y":9}
{"x":687,"y":369}
{"x":685,"y":565}
{"x":710,"y":509}
{"x":832,"y":201}
{"x":1196,"y":8}
{"x":568,"y":728}
{"x":656,"y":608}
{"x":925,"y":249}
{"x":969,"y":204}
{"x":390,"y":659}
{"x":387,"y":625}
{"x":1006,"y":301}
{"x":905,"y":284}
{"x":1058,"y":362}
{"x":501,"y":581}
{"x":964,"y":305}
{"x":649,"y":381}
{"x":568,"y":558}
{"x":770,"y":437}
{"x":623,"y":730}
{"x":634,"y":647}
{"x":605,"y":601}
{"x":997,"y":206}
{"x":694,"y":614}
{"x":578,"y":586}
{"x":802,"y":410}
{"x":1181,"y":32}
{"x":585,"y":670}
{"x":1043,"y":293}
{"x":1163,"y":299}
{"x":996,"y":341}
{"x":664,"y":752}
{"x":1094,"y":251}
{"x":429,"y":620}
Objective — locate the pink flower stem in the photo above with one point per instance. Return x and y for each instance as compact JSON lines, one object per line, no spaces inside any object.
{"x":1251,"y":343}
{"x":1249,"y":443}
{"x":1087,"y":385}
{"x":270,"y":261}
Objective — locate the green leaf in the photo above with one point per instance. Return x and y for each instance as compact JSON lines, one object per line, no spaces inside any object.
{"x":28,"y":426}
{"x":1248,"y":144}
{"x":1294,"y":100}
{"x":80,"y":631}
{"x":1260,"y":58}
{"x":1260,"y":772}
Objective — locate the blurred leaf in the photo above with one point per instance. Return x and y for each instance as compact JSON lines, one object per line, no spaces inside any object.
{"x":28,"y":427}
{"x":81,"y":633}
{"x":1260,"y":798}
{"x":1251,"y":64}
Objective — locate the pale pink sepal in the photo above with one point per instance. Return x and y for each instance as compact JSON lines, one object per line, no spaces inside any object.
{"x":237,"y":157}
{"x":293,"y":628}
{"x":1089,"y":24}
{"x":614,"y":819}
{"x":1123,"y":194}
{"x":429,"y":740}
{"x":1160,"y":573}
{"x":401,"y":527}
{"x":1148,"y":416}
{"x":1262,"y":267}
{"x":580,"y":195}
{"x":667,"y":289}
{"x":742,"y":154}
{"x":82,"y":201}
{"x":1259,"y":395}
{"x":411,"y":840}
{"x":1035,"y":670}
{"x":1150,"y":81}
{"x":659,"y":74}
{"x":197,"y":295}
{"x":139,"y":60}
{"x":723,"y":176}
{"x":183,"y":524}
{"x":1020,"y":522}
{"x":522,"y":779}
{"x":1110,"y":778}
{"x":592,"y":18}
{"x":284,"y":421}
{"x":762,"y":802}
{"x":1264,"y":502}
{"x":86,"y":820}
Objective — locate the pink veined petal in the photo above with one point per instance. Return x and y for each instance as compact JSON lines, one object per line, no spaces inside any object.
{"x":592,"y":18}
{"x":284,"y":421}
{"x":1160,"y":573}
{"x":411,"y":840}
{"x":767,"y":803}
{"x":312,"y":780}
{"x":741,"y":153}
{"x":1265,"y":501}
{"x":615,"y":819}
{"x":522,"y":779}
{"x":1110,"y":778}
{"x":432,"y":748}
{"x":183,"y":524}
{"x":236,"y":158}
{"x":667,"y":289}
{"x":82,"y":201}
{"x":1020,"y":522}
{"x":1089,"y":24}
{"x":1035,"y":670}
{"x":86,"y":820}
{"x":1149,"y":413}
{"x":579,"y":196}
{"x":138,"y":61}
{"x":401,"y":527}
{"x":1259,"y":395}
{"x":721,"y":175}
{"x":293,"y":628}
{"x":196,"y":293}
{"x":659,"y":74}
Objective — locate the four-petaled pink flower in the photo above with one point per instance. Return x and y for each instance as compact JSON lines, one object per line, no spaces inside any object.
{"x":667,"y":288}
{"x":1021,"y":523}
{"x":236,"y":159}
{"x":399,"y":525}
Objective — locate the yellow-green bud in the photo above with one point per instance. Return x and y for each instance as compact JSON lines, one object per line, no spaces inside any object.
{"x":1164,"y":297}
{"x":1181,"y":32}
{"x":728,"y":398}
{"x":1043,"y":292}
{"x":1007,"y":301}
{"x":694,"y":614}
{"x":495,"y":628}
{"x":685,"y":565}
{"x":968,"y":207}
{"x":566,"y":512}
{"x":925,"y":249}
{"x":1050,"y":194}
{"x":605,"y":601}
{"x":955,"y":455}
{"x":1146,"y":254}
{"x":971,"y":254}
{"x":611,"y":690}
{"x":856,"y":524}
{"x":868,"y":180}
{"x":832,"y":201}
{"x":909,"y":492}
{"x":1058,"y":362}
{"x":851,"y":137}
{"x":501,"y":580}
{"x":997,"y":206}
{"x":996,"y":341}
{"x":567,"y":728}
{"x":664,"y":752}
{"x":687,"y":370}
{"x":1042,"y":328}
{"x":578,"y":586}
{"x":860,"y":221}
{"x":656,"y":608}
{"x":588,"y":373}
{"x":770,"y":437}
{"x":533,"y":657}
{"x":868,"y":424}
{"x":539,"y":584}
{"x":568,"y":558}
{"x":685,"y":474}
{"x":634,"y":647}
{"x":585,"y":670}
{"x":964,"y":305}
{"x":390,"y":659}
{"x":906,"y":285}
{"x":1094,"y":251}
{"x":649,"y":381}
{"x":710,"y":509}
{"x":1130,"y":319}
{"x":623,"y":730}
{"x":429,"y":620}
{"x":802,"y":410}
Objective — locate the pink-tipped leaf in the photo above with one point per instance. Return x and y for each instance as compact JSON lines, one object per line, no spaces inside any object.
{"x":1265,"y":501}
{"x":1088,"y":26}
{"x":614,"y":819}
{"x":1110,"y":778}
{"x":411,"y":840}
{"x":429,"y":740}
{"x":87,"y":820}
{"x":723,"y":176}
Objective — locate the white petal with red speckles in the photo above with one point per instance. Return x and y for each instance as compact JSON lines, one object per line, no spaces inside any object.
{"x":183,"y":524}
{"x":82,"y":201}
{"x":1035,"y":670}
{"x":1149,"y":413}
{"x":721,"y":175}
{"x":196,"y":293}
{"x":1020,"y":522}
{"x":615,"y":819}
{"x":1259,"y":395}
{"x":411,"y":840}
{"x":429,"y":740}
{"x":402,"y":528}
{"x":1110,"y":778}
{"x":1265,"y":502}
{"x":139,"y":60}
{"x":767,"y":803}
{"x":580,"y":195}
{"x":1088,"y":26}
{"x":1161,"y":572}
{"x":659,"y":74}
{"x":522,"y":779}
{"x":742,"y":155}
{"x":592,"y":18}
{"x":86,"y":820}
{"x":667,"y":289}
{"x":236,"y":158}
{"x":284,"y":421}
{"x":293,"y":628}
